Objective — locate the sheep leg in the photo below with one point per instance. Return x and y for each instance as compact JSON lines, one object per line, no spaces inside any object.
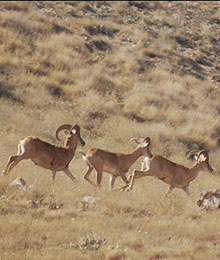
{"x":136,"y":175}
{"x":186,"y":190}
{"x":171,"y":188}
{"x":53,"y":175}
{"x":99,"y":171}
{"x":123,"y":176}
{"x":13,"y":161}
{"x":69,"y":174}
{"x":111,"y":182}
{"x":86,"y":176}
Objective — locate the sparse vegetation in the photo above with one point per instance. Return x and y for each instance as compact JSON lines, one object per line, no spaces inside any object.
{"x":119,"y":70}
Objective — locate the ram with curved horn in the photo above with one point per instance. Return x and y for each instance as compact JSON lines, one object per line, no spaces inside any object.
{"x":116,"y":164}
{"x":46,"y":155}
{"x":176,"y":175}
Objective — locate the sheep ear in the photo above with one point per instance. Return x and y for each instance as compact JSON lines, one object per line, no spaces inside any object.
{"x":146,"y":142}
{"x":74,"y":131}
{"x":202,"y":157}
{"x":196,"y":157}
{"x":66,"y":132}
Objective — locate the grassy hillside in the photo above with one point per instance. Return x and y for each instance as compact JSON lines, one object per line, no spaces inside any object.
{"x":120,"y":70}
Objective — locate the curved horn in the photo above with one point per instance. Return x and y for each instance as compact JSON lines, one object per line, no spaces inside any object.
{"x":137,"y":140}
{"x":192,"y":153}
{"x":62,"y":127}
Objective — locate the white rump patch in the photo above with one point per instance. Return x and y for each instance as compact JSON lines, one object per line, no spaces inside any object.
{"x":145,"y":165}
{"x":22,"y":143}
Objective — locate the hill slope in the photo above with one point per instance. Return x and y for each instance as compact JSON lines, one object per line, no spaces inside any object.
{"x":99,"y":60}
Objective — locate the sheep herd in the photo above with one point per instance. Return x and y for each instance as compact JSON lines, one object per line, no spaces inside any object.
{"x":57,"y":158}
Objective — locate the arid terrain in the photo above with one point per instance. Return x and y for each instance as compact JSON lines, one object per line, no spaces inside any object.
{"x":120,"y":70}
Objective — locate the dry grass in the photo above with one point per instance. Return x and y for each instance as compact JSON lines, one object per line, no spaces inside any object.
{"x":133,"y":73}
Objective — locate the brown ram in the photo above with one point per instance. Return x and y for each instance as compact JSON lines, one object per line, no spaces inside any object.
{"x":176,"y":175}
{"x":116,"y":164}
{"x":46,"y":155}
